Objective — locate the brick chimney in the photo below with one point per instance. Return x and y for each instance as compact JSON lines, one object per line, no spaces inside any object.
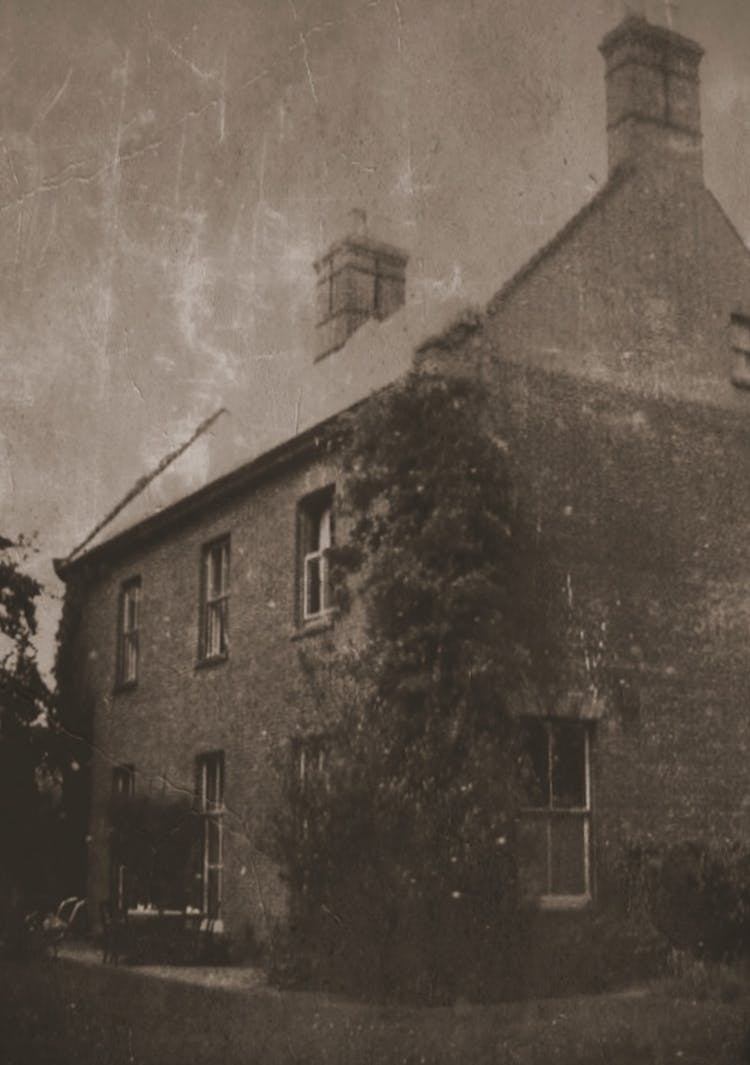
{"x":358,"y":278}
{"x":653,"y":96}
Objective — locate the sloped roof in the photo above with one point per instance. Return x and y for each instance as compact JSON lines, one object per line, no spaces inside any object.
{"x":220,"y":488}
{"x":617,"y":180}
{"x":375,"y":356}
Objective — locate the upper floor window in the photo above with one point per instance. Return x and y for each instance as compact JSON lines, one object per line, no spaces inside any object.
{"x":316,"y":538}
{"x":127,"y":631}
{"x":214,"y":641}
{"x":557,"y":816}
{"x":121,"y":881}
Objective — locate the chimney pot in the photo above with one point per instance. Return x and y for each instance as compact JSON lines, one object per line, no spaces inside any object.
{"x":358,"y":278}
{"x":653,"y":95}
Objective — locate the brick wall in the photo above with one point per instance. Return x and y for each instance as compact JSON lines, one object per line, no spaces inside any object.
{"x":641,"y":508}
{"x":247,"y":706}
{"x":640,"y":504}
{"x":607,"y":368}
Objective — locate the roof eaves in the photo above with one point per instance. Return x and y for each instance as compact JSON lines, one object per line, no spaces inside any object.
{"x":468,"y":321}
{"x":223,"y":487}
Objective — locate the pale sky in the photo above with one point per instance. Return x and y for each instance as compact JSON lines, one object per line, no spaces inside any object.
{"x":170,"y":170}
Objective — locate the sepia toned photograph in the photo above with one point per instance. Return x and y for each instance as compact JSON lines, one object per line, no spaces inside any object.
{"x":374,"y":532}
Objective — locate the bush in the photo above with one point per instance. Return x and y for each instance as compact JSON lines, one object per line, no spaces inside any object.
{"x":697,"y":895}
{"x":386,"y":948}
{"x":698,"y":980}
{"x":398,"y":836}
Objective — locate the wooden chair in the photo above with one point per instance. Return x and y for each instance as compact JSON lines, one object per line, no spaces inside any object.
{"x":114,"y":932}
{"x":69,"y":919}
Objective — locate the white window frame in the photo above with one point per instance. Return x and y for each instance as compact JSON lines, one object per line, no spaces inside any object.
{"x":549,"y":812}
{"x":123,"y":788}
{"x":311,"y":762}
{"x":215,"y":600}
{"x":317,"y":534}
{"x":123,"y":781}
{"x":128,"y":628}
{"x":211,"y":810}
{"x":309,"y":766}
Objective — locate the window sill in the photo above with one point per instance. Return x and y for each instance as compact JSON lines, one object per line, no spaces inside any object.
{"x":213,"y":660}
{"x":564,"y":902}
{"x":314,"y":626}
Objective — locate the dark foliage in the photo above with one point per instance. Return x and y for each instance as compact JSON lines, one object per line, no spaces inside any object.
{"x":399,"y":840}
{"x":74,"y":718}
{"x":29,"y":748}
{"x":697,"y":895}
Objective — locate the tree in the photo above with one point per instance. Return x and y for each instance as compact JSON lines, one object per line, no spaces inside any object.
{"x":404,"y":836}
{"x":74,"y":714}
{"x":27,"y":742}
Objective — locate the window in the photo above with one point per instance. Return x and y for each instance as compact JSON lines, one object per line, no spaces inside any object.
{"x":555,"y":832}
{"x":210,"y":800}
{"x":120,"y":879}
{"x":127,"y":631}
{"x":214,"y":641}
{"x":740,"y":341}
{"x":123,"y":781}
{"x":316,"y":537}
{"x":309,"y":763}
{"x":309,"y":777}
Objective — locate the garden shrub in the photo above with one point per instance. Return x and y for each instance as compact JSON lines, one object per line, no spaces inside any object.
{"x":399,"y":848}
{"x":698,"y":895}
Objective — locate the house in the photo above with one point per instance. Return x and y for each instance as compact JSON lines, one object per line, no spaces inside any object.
{"x":617,"y":364}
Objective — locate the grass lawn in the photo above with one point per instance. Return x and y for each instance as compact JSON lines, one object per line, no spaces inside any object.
{"x":55,"y":1013}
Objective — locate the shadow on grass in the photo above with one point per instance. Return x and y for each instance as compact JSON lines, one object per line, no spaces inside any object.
{"x":63,"y":1013}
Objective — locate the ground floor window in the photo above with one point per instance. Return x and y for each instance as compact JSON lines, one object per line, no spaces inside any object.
{"x":210,"y":801}
{"x":556,"y":823}
{"x":121,"y":885}
{"x":309,"y":758}
{"x":309,"y":776}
